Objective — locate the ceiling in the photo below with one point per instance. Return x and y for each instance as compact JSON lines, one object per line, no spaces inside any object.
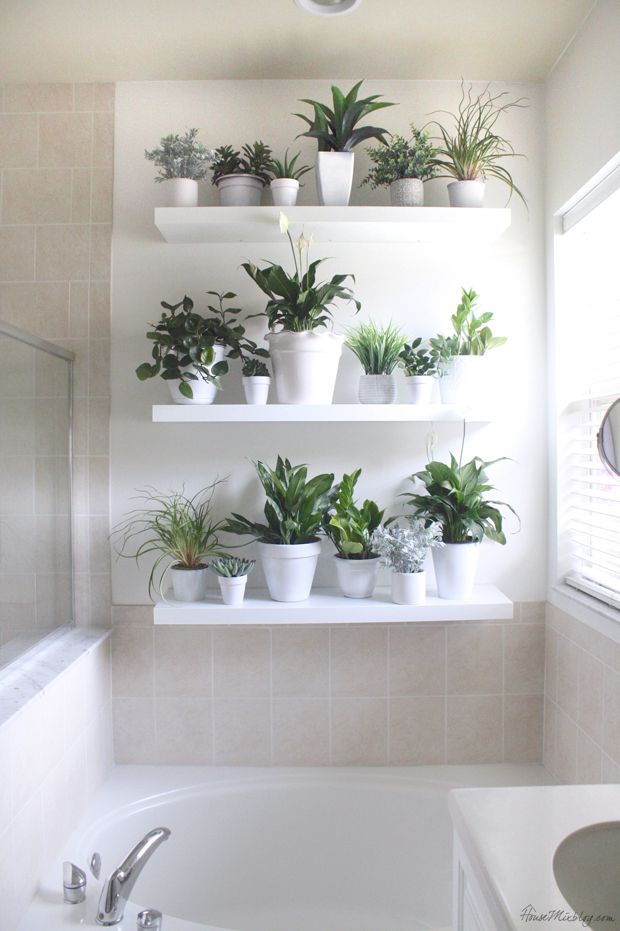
{"x":124,"y":40}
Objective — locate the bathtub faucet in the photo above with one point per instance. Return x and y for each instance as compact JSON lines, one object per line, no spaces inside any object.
{"x":117,"y":888}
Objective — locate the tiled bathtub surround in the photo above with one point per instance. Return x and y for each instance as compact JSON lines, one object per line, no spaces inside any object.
{"x":582,"y":702}
{"x":319,"y":695}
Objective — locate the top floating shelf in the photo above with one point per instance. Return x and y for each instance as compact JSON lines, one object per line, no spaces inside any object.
{"x":333,"y":224}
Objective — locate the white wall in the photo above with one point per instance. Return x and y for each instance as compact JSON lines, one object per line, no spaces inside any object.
{"x":417,"y":286}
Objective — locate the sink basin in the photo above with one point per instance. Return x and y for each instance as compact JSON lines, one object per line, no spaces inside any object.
{"x":586,"y":866}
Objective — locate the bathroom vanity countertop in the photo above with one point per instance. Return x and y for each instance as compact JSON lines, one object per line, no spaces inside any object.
{"x":510,"y":836}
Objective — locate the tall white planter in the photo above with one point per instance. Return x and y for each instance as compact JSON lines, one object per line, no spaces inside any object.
{"x":357,"y":578}
{"x":284,"y":192}
{"x":419,"y":388}
{"x":256,"y":388}
{"x":205,"y":392}
{"x":305,"y":365}
{"x":289,"y":569}
{"x":181,"y":192}
{"x":407,"y":192}
{"x":334,"y":178}
{"x":455,"y":569}
{"x":466,"y":193}
{"x":240,"y":190}
{"x":188,"y":584}
{"x":409,"y":588}
{"x":232,"y":588}
{"x":377,"y":389}
{"x":463,"y":382}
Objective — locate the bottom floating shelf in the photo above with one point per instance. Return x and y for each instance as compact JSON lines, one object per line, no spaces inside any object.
{"x":328,"y":606}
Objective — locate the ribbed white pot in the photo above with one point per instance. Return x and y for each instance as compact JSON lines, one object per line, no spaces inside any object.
{"x":205,"y":392}
{"x":419,"y":388}
{"x":334,"y":178}
{"x":289,"y":569}
{"x":463,"y":381}
{"x":407,"y":192}
{"x":284,"y":192}
{"x":256,"y":388}
{"x":409,"y":588}
{"x":466,"y":193}
{"x":377,"y":389}
{"x":188,"y":584}
{"x":357,"y":578}
{"x":181,"y":192}
{"x":455,"y":569}
{"x":240,"y":190}
{"x":232,"y":588}
{"x":305,"y":365}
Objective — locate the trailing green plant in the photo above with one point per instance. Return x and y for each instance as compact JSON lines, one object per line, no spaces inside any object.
{"x":377,"y":347}
{"x":181,"y":157}
{"x":348,"y":526}
{"x":177,"y":529}
{"x":298,"y":302}
{"x":416,"y":359}
{"x":254,"y":367}
{"x":335,"y":128}
{"x":471,"y":335}
{"x":286,"y":168}
{"x":400,"y":158}
{"x":253,"y":159}
{"x":294,"y":506}
{"x":232,"y":567}
{"x":405,"y":548}
{"x":473,"y":149}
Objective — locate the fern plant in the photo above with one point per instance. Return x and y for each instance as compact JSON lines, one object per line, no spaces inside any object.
{"x":349,"y":527}
{"x":335,"y":128}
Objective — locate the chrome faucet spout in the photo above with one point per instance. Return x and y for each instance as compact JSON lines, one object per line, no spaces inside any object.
{"x":117,"y":888}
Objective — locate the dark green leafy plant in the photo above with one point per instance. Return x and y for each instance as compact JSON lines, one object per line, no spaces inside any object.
{"x":472,"y":336}
{"x":294,"y":508}
{"x":335,"y":128}
{"x":287,"y":169}
{"x":252,"y":160}
{"x":348,"y":526}
{"x":254,"y":367}
{"x":401,"y":158}
{"x":232,"y":567}
{"x":415,"y":360}
{"x":181,"y":157}
{"x":377,"y":348}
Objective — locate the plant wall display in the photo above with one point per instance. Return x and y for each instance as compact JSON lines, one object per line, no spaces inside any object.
{"x":336,"y":128}
{"x":181,"y":157}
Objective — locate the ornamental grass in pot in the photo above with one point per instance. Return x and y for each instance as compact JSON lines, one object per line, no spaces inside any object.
{"x":402,"y":165}
{"x":378,"y":349}
{"x":285,"y":180}
{"x":240,"y":176}
{"x":182,"y":162}
{"x":421,"y":367}
{"x":403,"y":548}
{"x":232,"y":575}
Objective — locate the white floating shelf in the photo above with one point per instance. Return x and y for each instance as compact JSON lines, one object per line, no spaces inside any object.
{"x":333,"y":224}
{"x":328,"y":606}
{"x":314,"y":413}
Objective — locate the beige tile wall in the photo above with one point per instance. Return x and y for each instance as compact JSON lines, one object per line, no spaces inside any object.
{"x":319,"y":695}
{"x":582,"y":701}
{"x":56,"y":171}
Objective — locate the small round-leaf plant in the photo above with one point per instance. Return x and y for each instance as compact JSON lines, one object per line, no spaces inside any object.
{"x":349,"y":526}
{"x":287,"y":168}
{"x":253,"y":368}
{"x":255,"y":159}
{"x":401,"y":158}
{"x":335,"y":128}
{"x":471,"y":334}
{"x":181,"y":157}
{"x":232,"y":567}
{"x":377,"y":347}
{"x":404,"y":548}
{"x":416,"y":359}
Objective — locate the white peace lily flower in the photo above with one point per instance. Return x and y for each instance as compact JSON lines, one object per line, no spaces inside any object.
{"x":283,"y":222}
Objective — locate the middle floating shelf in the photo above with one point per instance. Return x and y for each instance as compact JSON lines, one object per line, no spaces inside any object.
{"x":314,"y":413}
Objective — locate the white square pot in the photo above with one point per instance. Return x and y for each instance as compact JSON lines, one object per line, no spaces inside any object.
{"x":334,"y":178}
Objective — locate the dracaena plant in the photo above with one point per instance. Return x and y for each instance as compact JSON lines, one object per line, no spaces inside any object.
{"x":287,"y":168}
{"x":348,"y":526}
{"x":181,"y":157}
{"x":294,"y":507}
{"x":377,"y":347}
{"x":403,"y":547}
{"x":471,"y":334}
{"x":298,"y":302}
{"x":416,"y":359}
{"x":253,"y":159}
{"x":335,"y":128}
{"x":400,"y":158}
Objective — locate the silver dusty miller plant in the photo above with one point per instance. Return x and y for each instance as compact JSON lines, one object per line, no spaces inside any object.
{"x":181,"y":157}
{"x":404,"y":548}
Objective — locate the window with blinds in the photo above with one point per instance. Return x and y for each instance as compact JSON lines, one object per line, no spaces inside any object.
{"x":588,"y":336}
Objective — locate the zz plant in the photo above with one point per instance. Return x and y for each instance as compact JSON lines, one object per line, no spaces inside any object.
{"x":348,"y":526}
{"x":471,"y":334}
{"x":335,"y":128}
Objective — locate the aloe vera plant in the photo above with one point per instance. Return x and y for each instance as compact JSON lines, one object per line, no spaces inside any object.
{"x":335,"y":128}
{"x":287,"y":168}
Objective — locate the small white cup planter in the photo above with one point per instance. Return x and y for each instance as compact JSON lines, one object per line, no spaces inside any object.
{"x":334,"y":178}
{"x":409,"y":588}
{"x":357,"y":578}
{"x":463,"y":382}
{"x":232,"y":588}
{"x":377,"y":389}
{"x":284,"y":192}
{"x":289,"y":569}
{"x":419,"y":388}
{"x":240,"y":190}
{"x":256,"y":388}
{"x":305,"y":365}
{"x":188,"y":584}
{"x":455,"y":569}
{"x":466,"y":193}
{"x":205,"y":392}
{"x":407,"y":192}
{"x":181,"y":192}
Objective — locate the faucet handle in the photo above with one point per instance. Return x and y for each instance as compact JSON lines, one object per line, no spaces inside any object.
{"x":149,"y":920}
{"x":95,"y":865}
{"x":73,"y":883}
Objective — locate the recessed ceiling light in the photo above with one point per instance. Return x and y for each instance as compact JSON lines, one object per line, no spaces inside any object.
{"x":328,"y":7}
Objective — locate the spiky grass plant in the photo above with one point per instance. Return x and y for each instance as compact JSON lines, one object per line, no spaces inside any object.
{"x":287,"y":167}
{"x":232,"y":567}
{"x":378,"y":348}
{"x":335,"y":128}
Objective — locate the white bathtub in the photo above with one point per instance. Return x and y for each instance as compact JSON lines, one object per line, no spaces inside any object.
{"x":277,"y":850}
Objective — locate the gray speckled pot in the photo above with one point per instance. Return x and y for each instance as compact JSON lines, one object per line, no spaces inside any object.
{"x":407,"y":192}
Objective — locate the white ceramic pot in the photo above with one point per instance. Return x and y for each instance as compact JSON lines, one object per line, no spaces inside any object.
{"x":463,"y":381}
{"x":232,"y":588}
{"x":205,"y":392}
{"x":334,"y":178}
{"x":377,"y":389}
{"x":455,"y":569}
{"x":407,"y":192}
{"x":357,"y":578}
{"x":188,"y":584}
{"x":466,"y":193}
{"x":284,"y":192}
{"x":256,"y":388}
{"x":240,"y":190}
{"x":419,"y":388}
{"x":181,"y":192}
{"x":409,"y":588}
{"x":305,"y":365}
{"x":289,"y":569}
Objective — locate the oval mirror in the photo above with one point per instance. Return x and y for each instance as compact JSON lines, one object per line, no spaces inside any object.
{"x":608,"y":439}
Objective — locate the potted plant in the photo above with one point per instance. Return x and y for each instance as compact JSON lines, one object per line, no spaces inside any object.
{"x":350,"y":529}
{"x":182,"y":162}
{"x":288,"y":542}
{"x":232,"y":574}
{"x":337,"y":133}
{"x":189,"y":349}
{"x":421,"y":366}
{"x":473,"y":151}
{"x":378,"y":349}
{"x":285,"y":180}
{"x":460,"y":356}
{"x":256,"y":380}
{"x":403,"y":165}
{"x":240,"y":176}
{"x":404,"y":549}
{"x":304,"y":354}
{"x":456,"y":498}
{"x":180,"y":532}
